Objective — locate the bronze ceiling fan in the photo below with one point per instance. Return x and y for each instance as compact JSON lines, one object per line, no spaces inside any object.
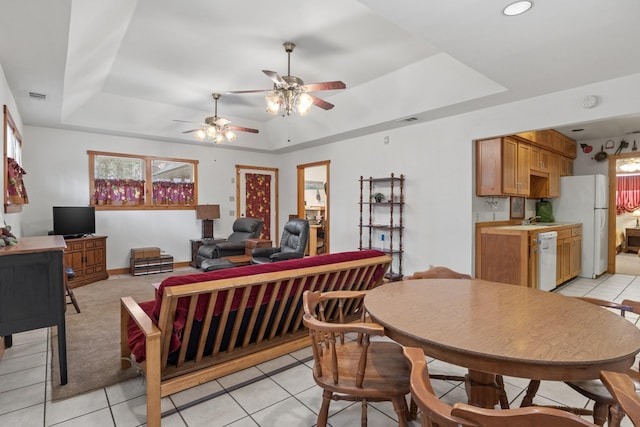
{"x":290,"y":93}
{"x":216,"y":128}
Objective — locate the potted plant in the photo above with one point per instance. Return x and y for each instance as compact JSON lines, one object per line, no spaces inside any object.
{"x":378,"y":197}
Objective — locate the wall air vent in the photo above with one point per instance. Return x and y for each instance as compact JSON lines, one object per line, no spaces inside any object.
{"x":39,"y":96}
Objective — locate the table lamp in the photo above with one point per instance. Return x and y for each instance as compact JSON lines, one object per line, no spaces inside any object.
{"x":636,"y":215}
{"x":207,"y":213}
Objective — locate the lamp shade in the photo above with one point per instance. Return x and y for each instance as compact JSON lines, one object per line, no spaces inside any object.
{"x":636,"y":213}
{"x":207,"y":211}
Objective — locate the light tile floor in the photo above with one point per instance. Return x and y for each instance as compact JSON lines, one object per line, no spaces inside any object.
{"x":277,"y":393}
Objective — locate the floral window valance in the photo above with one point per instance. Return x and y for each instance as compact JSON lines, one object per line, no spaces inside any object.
{"x":173,"y":193}
{"x":16,"y":191}
{"x":118,"y":192}
{"x":627,"y":194}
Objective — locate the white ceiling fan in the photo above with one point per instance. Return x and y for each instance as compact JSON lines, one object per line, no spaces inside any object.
{"x":216,"y":128}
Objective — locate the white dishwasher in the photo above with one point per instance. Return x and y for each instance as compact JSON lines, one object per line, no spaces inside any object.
{"x":547,"y":252}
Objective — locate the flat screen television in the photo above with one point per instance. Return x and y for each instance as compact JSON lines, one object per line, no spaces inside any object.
{"x":74,"y":221}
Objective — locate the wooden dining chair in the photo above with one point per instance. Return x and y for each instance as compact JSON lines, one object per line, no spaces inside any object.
{"x":434,"y":412}
{"x":624,"y":390}
{"x":438,"y":272}
{"x":605,"y":407}
{"x":354,"y":370}
{"x":441,"y":272}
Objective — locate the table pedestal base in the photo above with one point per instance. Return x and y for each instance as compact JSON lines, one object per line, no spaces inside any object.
{"x":485,"y":390}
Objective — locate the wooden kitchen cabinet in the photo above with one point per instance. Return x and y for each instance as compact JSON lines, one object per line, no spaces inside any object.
{"x":540,"y":159}
{"x":566,"y":166}
{"x":575,"y":263}
{"x":569,"y":254}
{"x":516,"y":167}
{"x":88,"y":258}
{"x":502,"y":167}
{"x":508,"y":255}
{"x":554,"y":175}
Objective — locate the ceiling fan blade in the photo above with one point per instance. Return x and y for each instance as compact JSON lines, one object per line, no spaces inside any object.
{"x":192,"y":130}
{"x":312,"y":87}
{"x":231,"y":92}
{"x":321,"y":103}
{"x":243,"y":129}
{"x":186,"y":121}
{"x":275,"y":77}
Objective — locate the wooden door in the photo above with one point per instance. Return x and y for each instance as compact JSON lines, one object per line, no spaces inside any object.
{"x":257,"y":197}
{"x":554,"y":175}
{"x":509,"y":166}
{"x":489,"y":167}
{"x":566,"y":259}
{"x":523,"y":168}
{"x":559,"y":262}
{"x":576,"y":255}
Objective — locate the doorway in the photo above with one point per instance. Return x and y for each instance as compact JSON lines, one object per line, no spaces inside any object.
{"x":257,"y":197}
{"x":619,"y":261}
{"x":313,"y":203}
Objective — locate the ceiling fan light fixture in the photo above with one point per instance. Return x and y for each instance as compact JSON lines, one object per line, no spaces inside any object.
{"x":230,"y":135}
{"x":211,"y":131}
{"x":273,"y":102}
{"x":219,"y":139}
{"x":200,"y":134}
{"x":303,"y":103}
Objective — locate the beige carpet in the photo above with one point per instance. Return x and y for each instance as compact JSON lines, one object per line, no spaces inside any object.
{"x":628,"y":263}
{"x":93,"y":335}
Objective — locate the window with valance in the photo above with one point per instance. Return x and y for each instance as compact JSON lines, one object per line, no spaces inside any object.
{"x":627,"y":193}
{"x":124,"y":181}
{"x":15,"y":193}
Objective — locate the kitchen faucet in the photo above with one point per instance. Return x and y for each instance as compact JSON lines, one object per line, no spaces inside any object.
{"x":531,"y":220}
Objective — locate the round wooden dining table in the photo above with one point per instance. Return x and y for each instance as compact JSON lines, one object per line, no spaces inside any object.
{"x":494,"y":328}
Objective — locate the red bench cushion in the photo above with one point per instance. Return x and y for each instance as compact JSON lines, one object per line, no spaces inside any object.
{"x":152,"y":308}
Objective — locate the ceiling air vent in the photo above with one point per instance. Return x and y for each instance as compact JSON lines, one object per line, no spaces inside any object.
{"x":36,"y":95}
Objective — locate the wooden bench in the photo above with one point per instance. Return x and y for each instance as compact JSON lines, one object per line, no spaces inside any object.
{"x":231,"y":319}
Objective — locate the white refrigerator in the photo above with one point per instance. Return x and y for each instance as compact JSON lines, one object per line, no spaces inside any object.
{"x":584,"y":199}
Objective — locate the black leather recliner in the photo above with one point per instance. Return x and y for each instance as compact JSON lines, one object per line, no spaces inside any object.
{"x":292,"y":244}
{"x":243,"y":229}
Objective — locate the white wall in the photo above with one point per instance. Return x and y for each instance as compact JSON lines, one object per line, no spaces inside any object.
{"x":436,"y":158}
{"x":58,"y":175}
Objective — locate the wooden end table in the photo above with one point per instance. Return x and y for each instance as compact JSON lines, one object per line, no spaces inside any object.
{"x":633,"y":239}
{"x":238,"y":260}
{"x":251,"y":244}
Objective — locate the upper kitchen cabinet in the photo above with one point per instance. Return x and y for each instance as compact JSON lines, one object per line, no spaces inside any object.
{"x":502,"y":167}
{"x":527,"y":164}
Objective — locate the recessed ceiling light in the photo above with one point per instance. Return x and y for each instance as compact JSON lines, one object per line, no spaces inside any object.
{"x":517,"y":8}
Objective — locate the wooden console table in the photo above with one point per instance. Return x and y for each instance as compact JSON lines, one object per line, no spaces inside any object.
{"x":633,"y":239}
{"x":32,"y":289}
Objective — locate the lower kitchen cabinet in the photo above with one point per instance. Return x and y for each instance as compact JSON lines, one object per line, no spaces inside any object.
{"x":569,"y":254}
{"x":509,"y":254}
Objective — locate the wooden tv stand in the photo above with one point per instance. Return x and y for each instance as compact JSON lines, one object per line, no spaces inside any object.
{"x":88,"y":258}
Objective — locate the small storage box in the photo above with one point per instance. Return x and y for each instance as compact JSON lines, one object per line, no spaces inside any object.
{"x":139,"y":253}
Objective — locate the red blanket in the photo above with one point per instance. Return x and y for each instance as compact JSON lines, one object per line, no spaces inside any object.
{"x":152,"y":308}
